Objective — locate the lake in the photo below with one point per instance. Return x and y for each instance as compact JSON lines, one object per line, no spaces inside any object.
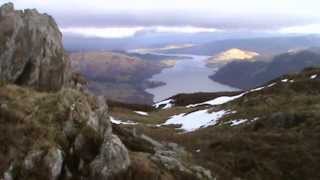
{"x":187,"y":76}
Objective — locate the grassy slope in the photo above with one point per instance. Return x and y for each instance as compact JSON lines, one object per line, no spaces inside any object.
{"x":282,"y":144}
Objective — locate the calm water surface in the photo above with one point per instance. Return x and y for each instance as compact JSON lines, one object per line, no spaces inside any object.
{"x":187,"y":76}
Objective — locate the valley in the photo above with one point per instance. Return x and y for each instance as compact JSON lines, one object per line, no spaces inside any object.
{"x":161,"y":90}
{"x":144,"y":78}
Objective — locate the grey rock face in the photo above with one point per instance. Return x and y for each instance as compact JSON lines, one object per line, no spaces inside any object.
{"x":31,"y":50}
{"x":8,"y":174}
{"x":32,"y":159}
{"x":99,"y":120}
{"x":39,"y":163}
{"x":54,"y":161}
{"x":112,"y":160}
{"x":101,"y":154}
{"x":170,"y":160}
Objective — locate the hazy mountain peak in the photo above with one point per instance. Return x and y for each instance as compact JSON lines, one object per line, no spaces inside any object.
{"x":235,"y":54}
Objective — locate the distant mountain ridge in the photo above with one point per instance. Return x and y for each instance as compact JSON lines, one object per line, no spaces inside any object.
{"x":263,"y":46}
{"x":149,"y":40}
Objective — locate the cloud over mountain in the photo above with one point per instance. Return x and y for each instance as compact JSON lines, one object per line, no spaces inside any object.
{"x":228,"y":15}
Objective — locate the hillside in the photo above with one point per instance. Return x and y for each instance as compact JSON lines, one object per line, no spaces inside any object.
{"x":233,"y":54}
{"x":119,"y":76}
{"x":246,"y":75}
{"x":270,"y":132}
{"x":150,"y":56}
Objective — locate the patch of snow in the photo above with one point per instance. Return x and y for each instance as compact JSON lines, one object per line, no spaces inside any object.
{"x":255,"y":119}
{"x":291,"y":81}
{"x":260,"y":88}
{"x":116,"y":121}
{"x":272,"y":84}
{"x":217,"y":101}
{"x":167,"y":104}
{"x":237,"y":122}
{"x":257,"y":89}
{"x":141,"y":113}
{"x":196,"y":120}
{"x":284,"y":80}
{"x":240,"y":121}
{"x":232,"y":112}
{"x":226,"y":99}
{"x":313,"y":76}
{"x":194,"y":105}
{"x":73,"y":106}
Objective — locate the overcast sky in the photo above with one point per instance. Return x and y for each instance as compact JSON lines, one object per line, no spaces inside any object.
{"x":125,"y":17}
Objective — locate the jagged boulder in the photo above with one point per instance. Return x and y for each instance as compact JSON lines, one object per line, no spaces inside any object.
{"x":31,"y":50}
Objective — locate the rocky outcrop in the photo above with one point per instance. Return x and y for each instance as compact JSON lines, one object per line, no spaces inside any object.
{"x":31,"y":50}
{"x":60,"y":135}
{"x":68,"y":135}
{"x":159,"y":161}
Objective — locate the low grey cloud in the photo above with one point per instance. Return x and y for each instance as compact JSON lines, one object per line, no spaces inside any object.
{"x":228,"y":15}
{"x":224,"y":22}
